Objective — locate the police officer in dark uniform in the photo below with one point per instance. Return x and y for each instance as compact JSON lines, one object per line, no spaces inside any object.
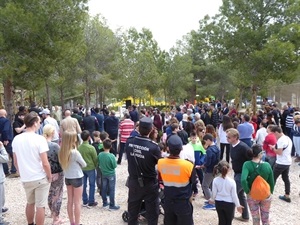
{"x":142,"y":155}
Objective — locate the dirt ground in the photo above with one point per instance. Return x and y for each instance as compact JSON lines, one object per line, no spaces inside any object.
{"x":282,"y":213}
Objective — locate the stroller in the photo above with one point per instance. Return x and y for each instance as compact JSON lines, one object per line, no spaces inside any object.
{"x":125,"y":215}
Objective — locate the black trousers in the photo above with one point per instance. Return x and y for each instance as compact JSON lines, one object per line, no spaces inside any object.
{"x":114,"y":148}
{"x":223,"y":147}
{"x":122,"y":148}
{"x":225,"y":212}
{"x":283,"y":170}
{"x":178,"y":212}
{"x":148,"y":193}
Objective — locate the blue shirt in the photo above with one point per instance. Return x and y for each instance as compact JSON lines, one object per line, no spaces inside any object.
{"x":100,"y":119}
{"x":179,"y":116}
{"x":245,"y":129}
{"x":5,"y":129}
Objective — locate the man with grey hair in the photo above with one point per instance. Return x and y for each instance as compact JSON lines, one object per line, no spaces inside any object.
{"x":69,"y":123}
{"x":197,"y":117}
{"x":111,"y":126}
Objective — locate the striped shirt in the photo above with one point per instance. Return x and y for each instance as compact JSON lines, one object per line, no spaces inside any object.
{"x":126,"y":127}
{"x":289,"y":121}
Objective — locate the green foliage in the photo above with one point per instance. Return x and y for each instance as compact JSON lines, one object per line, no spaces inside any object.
{"x":40,"y":39}
{"x":177,"y":77}
{"x":257,"y":39}
{"x":136,"y":64}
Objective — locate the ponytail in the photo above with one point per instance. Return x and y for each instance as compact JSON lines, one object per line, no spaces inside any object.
{"x":221,"y":168}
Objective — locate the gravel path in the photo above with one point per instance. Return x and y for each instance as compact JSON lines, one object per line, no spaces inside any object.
{"x":282,"y":213}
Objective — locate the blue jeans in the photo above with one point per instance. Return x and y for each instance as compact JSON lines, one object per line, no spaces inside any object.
{"x":108,"y":186}
{"x":91,"y":174}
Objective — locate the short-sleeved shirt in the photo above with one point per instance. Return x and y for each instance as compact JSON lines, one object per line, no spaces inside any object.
{"x":17,"y":124}
{"x":146,"y":153}
{"x":53,"y":157}
{"x":28,"y":146}
{"x":286,"y":144}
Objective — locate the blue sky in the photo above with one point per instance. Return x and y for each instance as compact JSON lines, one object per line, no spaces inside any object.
{"x":168,"y":20}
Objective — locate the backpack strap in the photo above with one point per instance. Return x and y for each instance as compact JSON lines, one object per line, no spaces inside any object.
{"x":255,"y":172}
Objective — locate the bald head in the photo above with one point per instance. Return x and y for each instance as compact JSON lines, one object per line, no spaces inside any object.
{"x":67,"y":113}
{"x":3,"y":113}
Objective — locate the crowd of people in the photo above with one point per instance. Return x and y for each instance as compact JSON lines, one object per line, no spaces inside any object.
{"x":177,"y":151}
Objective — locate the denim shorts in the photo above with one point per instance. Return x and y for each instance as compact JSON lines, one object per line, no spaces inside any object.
{"x":77,"y":182}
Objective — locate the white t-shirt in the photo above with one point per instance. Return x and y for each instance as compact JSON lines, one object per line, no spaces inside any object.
{"x":187,"y":152}
{"x":286,"y":144}
{"x":28,"y":146}
{"x":260,"y":136}
{"x":222,"y":135}
{"x":225,"y":190}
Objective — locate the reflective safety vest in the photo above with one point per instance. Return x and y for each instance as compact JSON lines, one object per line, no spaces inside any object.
{"x":175,"y":172}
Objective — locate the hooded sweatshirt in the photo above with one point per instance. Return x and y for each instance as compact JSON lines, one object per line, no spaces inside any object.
{"x":212,"y":158}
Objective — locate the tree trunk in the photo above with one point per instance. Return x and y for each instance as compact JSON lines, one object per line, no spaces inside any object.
{"x":165,"y":96}
{"x":101,"y":97}
{"x":48,"y":98}
{"x":87,"y":94}
{"x":140,"y":103}
{"x":8,"y":98}
{"x":253,"y":100}
{"x":238,"y":98}
{"x":62,"y":99}
{"x":97,"y":100}
{"x":22,"y":97}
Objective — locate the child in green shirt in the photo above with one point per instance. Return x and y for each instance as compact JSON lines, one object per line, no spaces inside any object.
{"x":98,"y":138}
{"x":108,"y":164}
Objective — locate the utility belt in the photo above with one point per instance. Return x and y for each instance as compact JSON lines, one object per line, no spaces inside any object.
{"x":142,"y":181}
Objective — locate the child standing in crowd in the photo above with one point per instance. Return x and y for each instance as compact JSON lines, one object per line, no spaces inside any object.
{"x":224,"y":194}
{"x":211,"y":130}
{"x":211,"y":160}
{"x":98,"y":145}
{"x":3,"y":159}
{"x":97,"y":141}
{"x":199,"y":153}
{"x":89,"y":155}
{"x":164,"y":150}
{"x":108,"y":164}
{"x":71,"y":162}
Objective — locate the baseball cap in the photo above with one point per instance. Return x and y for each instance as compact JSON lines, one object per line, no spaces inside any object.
{"x":174,"y":142}
{"x":45,"y":111}
{"x":146,"y":122}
